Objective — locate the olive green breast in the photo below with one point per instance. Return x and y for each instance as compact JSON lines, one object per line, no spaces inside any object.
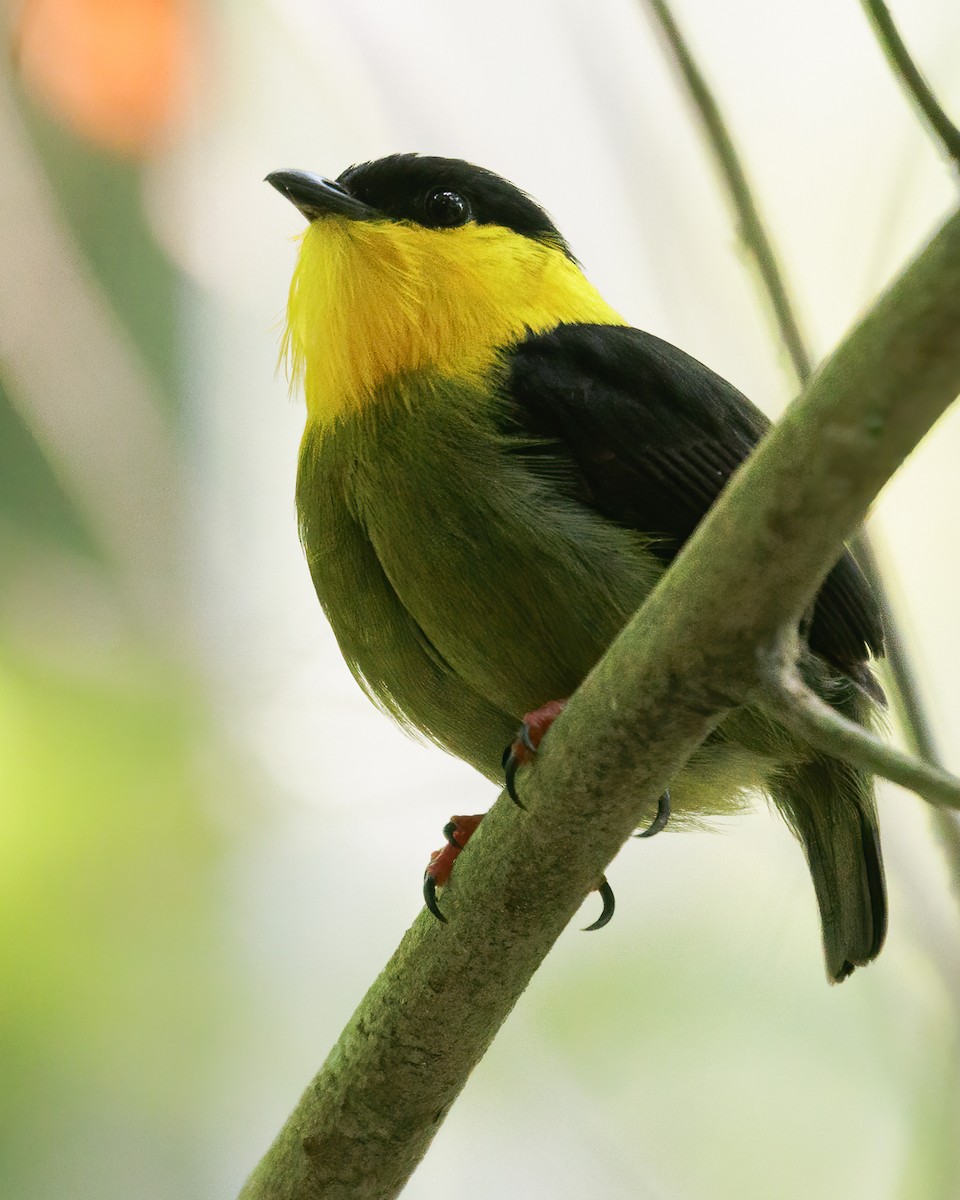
{"x":464,"y":583}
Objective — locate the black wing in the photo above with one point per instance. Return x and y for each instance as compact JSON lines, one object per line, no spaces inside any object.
{"x":652,"y":436}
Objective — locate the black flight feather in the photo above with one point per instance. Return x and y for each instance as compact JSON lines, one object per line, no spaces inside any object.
{"x":652,"y":437}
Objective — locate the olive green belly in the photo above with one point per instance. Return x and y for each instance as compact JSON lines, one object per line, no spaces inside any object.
{"x":464,"y":584}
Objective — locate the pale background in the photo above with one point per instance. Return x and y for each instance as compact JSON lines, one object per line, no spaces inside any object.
{"x":211,"y":841}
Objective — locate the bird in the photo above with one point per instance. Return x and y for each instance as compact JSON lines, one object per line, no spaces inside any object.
{"x":497,"y":468}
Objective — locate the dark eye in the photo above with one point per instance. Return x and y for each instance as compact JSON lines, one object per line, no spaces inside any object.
{"x":446,"y":208}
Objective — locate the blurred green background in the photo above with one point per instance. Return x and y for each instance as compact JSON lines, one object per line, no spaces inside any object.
{"x":210,"y":842}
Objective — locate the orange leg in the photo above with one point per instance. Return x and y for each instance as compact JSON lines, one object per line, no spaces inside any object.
{"x":527,"y":742}
{"x":457,"y":831}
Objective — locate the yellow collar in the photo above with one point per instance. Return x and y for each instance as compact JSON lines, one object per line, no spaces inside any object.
{"x":371,"y":300}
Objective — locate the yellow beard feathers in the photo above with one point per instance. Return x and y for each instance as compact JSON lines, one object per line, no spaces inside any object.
{"x":372,"y":300}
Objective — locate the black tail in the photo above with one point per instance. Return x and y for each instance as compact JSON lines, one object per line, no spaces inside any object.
{"x":831,"y":808}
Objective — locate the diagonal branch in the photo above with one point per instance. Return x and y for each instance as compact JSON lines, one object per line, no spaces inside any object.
{"x":697,"y":648}
{"x":901,"y":681}
{"x":801,"y":710}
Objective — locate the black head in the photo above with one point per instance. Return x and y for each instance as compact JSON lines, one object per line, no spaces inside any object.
{"x":439,"y":193}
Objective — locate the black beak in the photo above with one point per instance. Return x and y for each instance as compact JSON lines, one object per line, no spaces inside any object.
{"x":318,"y":197}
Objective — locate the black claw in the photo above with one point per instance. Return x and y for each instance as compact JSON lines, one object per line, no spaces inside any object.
{"x":511,"y":764}
{"x":448,"y":831}
{"x":430,"y":897}
{"x":609,"y":904}
{"x":660,"y":820}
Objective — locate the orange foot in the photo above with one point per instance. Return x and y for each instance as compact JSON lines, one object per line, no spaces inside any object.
{"x":524,"y":747}
{"x":457,"y":831}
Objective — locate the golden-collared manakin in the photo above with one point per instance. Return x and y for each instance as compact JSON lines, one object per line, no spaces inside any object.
{"x":497,"y":468}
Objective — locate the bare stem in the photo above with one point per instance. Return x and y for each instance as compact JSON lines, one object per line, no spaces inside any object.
{"x":803,"y":712}
{"x":752,"y":228}
{"x":904,"y":690}
{"x":919,"y":91}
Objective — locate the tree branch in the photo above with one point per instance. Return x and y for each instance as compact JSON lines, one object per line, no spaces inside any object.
{"x":908,"y":707}
{"x":800,"y":710}
{"x":906,"y":699}
{"x":901,"y":679}
{"x":697,"y":648}
{"x":753,"y":233}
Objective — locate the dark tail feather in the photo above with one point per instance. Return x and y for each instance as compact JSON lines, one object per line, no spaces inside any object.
{"x":831,"y":809}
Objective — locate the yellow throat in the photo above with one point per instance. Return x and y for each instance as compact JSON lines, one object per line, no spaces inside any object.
{"x":371,"y":300}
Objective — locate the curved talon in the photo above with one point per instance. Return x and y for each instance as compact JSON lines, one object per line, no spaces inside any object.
{"x":660,"y":820}
{"x":457,"y":831}
{"x":430,"y":897}
{"x":511,"y":764}
{"x":609,"y":904}
{"x":526,"y":745}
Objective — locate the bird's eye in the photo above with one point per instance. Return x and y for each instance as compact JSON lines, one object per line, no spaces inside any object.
{"x":447,"y":209}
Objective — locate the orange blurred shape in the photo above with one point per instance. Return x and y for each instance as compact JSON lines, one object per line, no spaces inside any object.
{"x":113,"y":70}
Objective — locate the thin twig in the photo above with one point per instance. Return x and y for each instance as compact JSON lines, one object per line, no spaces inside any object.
{"x":907,"y":702}
{"x":917,"y":88}
{"x":752,"y":229}
{"x":904,"y":690}
{"x":803,"y":712}
{"x":906,"y":698}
